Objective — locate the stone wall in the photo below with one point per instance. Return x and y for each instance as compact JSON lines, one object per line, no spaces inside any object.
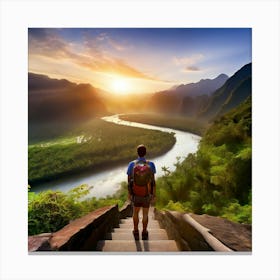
{"x":188,"y":233}
{"x":81,"y":234}
{"x":126,"y":210}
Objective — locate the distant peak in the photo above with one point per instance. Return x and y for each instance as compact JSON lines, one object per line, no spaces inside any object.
{"x":222,"y":76}
{"x":203,"y":80}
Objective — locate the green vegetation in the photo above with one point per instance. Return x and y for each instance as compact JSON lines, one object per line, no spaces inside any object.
{"x":217,"y":179}
{"x":49,"y":211}
{"x":175,"y":122}
{"x":70,"y":149}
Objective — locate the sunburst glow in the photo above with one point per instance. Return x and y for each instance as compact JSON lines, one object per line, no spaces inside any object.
{"x":126,"y":61}
{"x":120,"y":86}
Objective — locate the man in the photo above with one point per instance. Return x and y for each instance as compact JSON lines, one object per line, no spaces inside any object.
{"x":141,"y":189}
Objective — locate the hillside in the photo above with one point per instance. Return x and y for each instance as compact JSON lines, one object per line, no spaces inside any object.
{"x":61,"y":100}
{"x":217,"y":180}
{"x":236,"y":89}
{"x":241,"y":92}
{"x":192,"y":105}
{"x":164,"y":102}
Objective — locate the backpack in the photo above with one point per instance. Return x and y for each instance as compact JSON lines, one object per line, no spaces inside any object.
{"x":142,"y":177}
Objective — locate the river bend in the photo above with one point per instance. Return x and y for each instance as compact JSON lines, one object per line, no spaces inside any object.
{"x":107,"y":182}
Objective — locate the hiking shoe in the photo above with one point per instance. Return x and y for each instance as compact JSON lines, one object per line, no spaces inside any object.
{"x":145,"y":235}
{"x":136,"y":234}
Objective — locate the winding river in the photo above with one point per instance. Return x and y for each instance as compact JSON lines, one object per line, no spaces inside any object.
{"x":107,"y":182}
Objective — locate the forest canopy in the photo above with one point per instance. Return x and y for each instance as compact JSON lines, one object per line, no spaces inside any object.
{"x":217,"y":179}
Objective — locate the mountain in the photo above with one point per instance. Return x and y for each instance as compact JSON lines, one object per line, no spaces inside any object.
{"x":186,"y":99}
{"x":163,"y":102}
{"x":235,"y":90}
{"x":203,"y":87}
{"x":238,"y":95}
{"x":52,"y":99}
{"x":192,"y":105}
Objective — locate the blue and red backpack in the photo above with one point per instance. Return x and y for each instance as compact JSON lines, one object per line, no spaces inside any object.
{"x":142,"y":178}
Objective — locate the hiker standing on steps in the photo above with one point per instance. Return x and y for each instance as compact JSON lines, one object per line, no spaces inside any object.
{"x":141,"y":189}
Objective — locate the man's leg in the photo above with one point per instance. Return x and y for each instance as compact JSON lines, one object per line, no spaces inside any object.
{"x":136,"y":217}
{"x":145,"y":218}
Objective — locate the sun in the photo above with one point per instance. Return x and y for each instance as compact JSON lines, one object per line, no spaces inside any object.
{"x":120,"y":86}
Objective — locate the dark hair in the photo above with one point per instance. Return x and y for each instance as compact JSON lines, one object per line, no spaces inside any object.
{"x":141,"y":150}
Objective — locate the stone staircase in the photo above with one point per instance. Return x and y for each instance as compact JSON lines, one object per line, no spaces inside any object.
{"x":121,"y":238}
{"x":192,"y":232}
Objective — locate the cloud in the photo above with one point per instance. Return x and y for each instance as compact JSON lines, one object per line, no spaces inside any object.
{"x":117,"y":46}
{"x":103,"y":39}
{"x":189,"y":63}
{"x":109,"y":41}
{"x":47,"y":43}
{"x":192,"y":68}
{"x":90,"y":53}
{"x":189,"y":60}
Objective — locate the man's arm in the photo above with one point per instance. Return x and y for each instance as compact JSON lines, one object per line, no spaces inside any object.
{"x":153,"y":188}
{"x":153,"y":182}
{"x":129,"y":181}
{"x":129,"y":187}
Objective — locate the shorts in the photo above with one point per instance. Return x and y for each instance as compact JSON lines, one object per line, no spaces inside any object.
{"x":140,"y":201}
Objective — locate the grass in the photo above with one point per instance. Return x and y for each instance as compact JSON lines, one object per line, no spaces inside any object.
{"x":58,"y":141}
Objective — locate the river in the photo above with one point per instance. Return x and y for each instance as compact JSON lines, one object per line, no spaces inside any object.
{"x":107,"y":182}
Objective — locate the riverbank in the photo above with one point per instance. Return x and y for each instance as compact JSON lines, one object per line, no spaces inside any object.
{"x":176,"y":122}
{"x":105,"y":144}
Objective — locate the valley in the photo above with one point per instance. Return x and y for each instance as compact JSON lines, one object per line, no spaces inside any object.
{"x":105,"y":145}
{"x":76,"y":145}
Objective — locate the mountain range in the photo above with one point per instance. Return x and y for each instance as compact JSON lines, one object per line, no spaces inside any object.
{"x":186,"y":99}
{"x":53,"y":99}
{"x":207,"y":98}
{"x":203,"y":87}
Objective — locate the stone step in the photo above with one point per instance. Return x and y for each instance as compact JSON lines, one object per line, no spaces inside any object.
{"x":127,"y":235}
{"x":136,"y":246}
{"x":129,"y":225}
{"x":125,"y":230}
{"x":130,"y":221}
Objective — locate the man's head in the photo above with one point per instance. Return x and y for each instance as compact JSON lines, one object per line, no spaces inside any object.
{"x":141,"y":150}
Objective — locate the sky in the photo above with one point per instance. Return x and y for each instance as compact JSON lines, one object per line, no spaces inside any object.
{"x":138,"y":60}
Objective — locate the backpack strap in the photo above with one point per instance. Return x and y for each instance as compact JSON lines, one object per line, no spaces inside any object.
{"x":140,"y":160}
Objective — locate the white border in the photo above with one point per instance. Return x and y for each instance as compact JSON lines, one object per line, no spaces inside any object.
{"x":262,"y":16}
